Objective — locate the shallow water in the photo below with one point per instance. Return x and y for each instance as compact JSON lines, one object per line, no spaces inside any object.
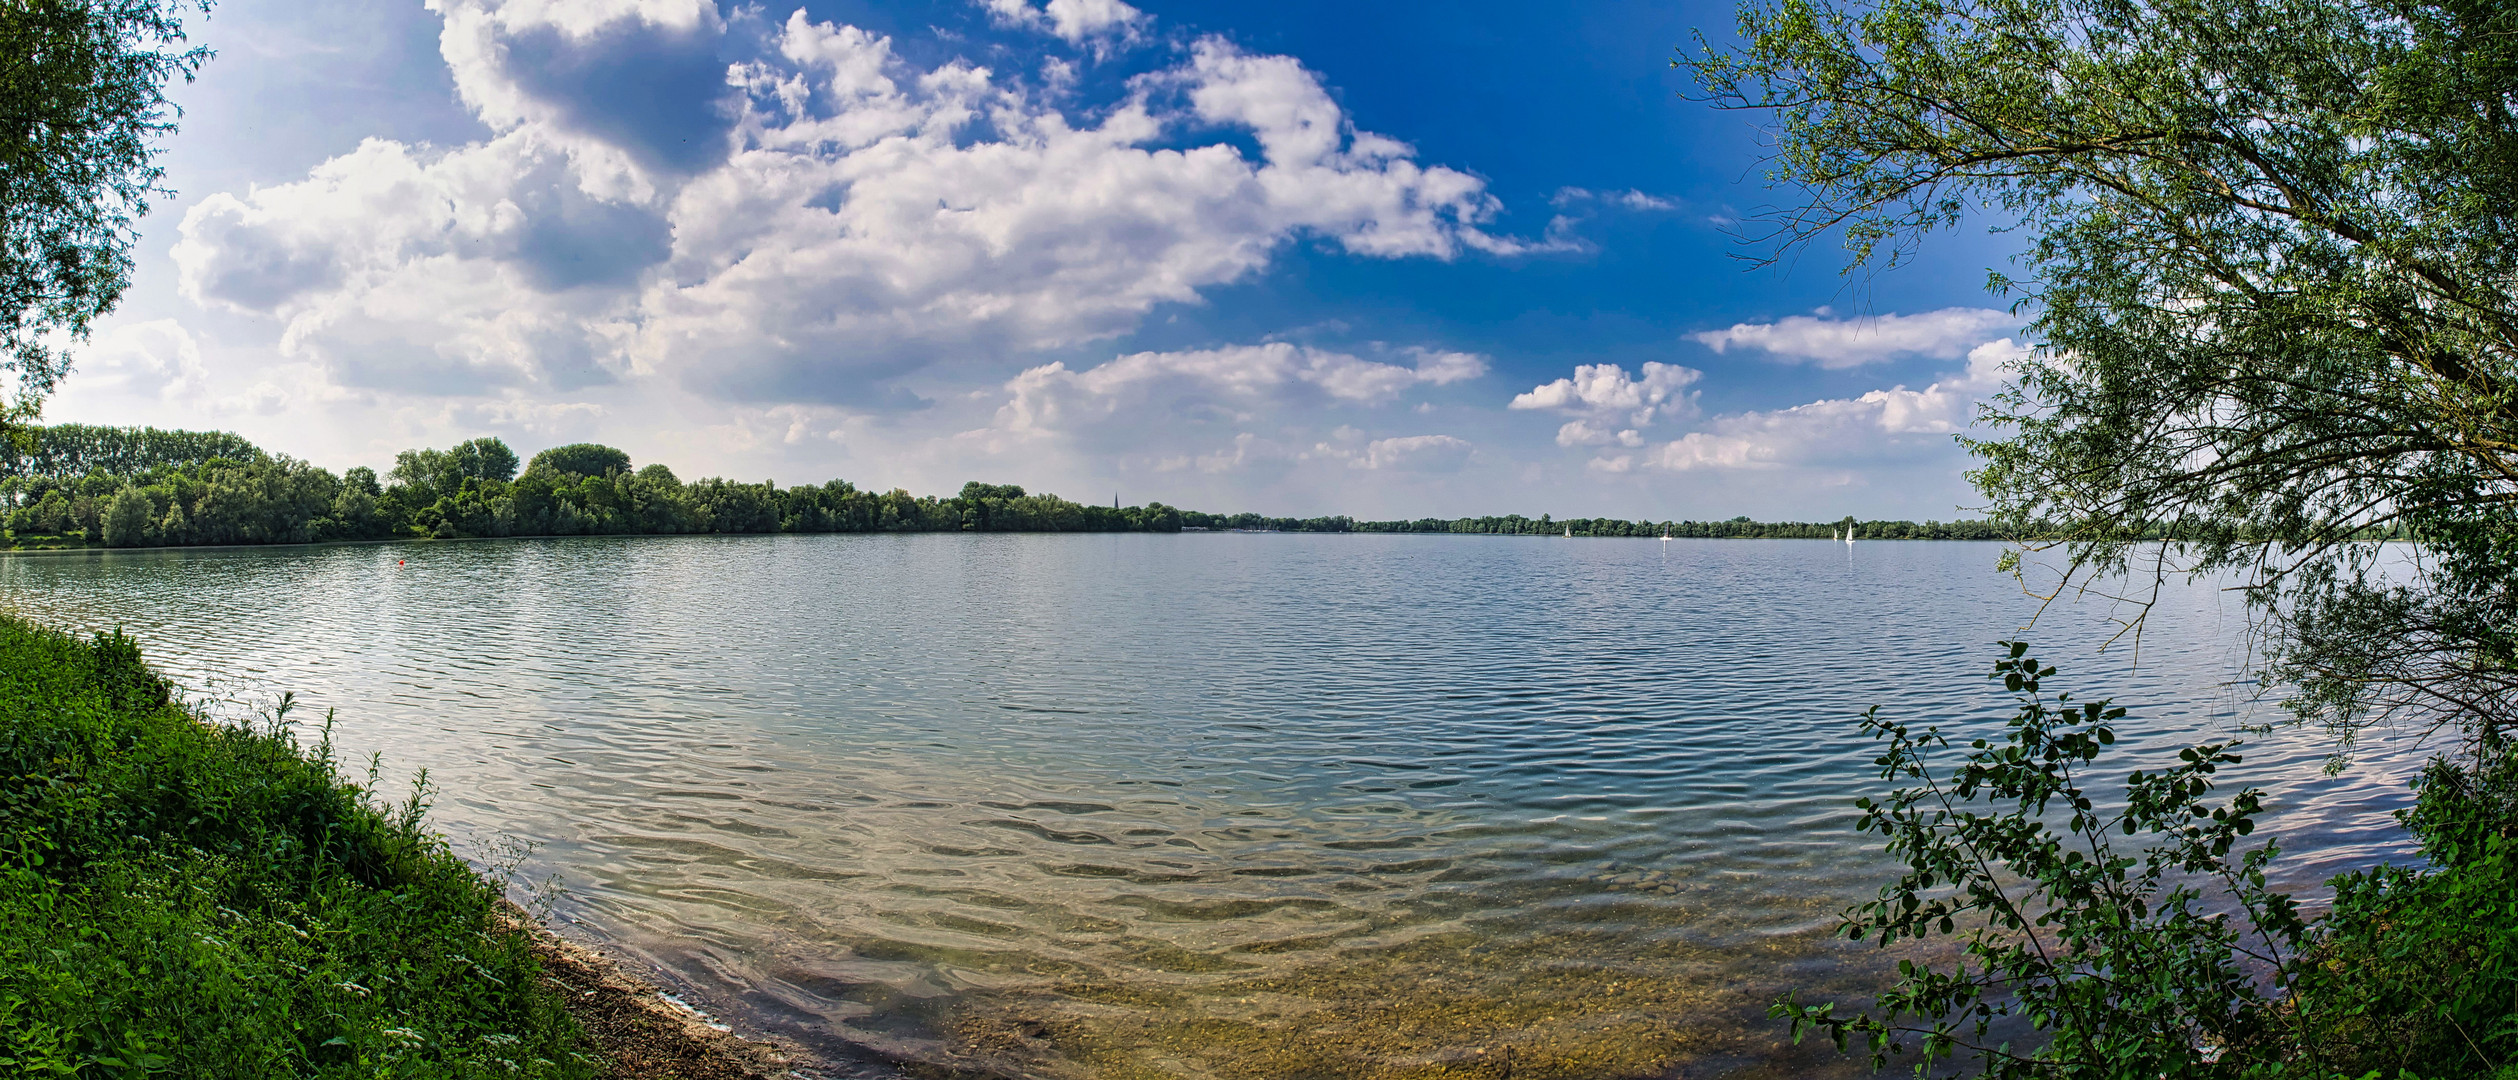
{"x":1215,"y":805}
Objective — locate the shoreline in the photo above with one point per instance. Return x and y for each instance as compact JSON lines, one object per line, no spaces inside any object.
{"x":281,"y":904}
{"x":636,"y":1013}
{"x":643,"y":1031}
{"x":101,"y":550}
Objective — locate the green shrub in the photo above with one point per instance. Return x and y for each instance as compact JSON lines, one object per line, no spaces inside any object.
{"x":2079,"y":958}
{"x":579,"y":459}
{"x":185,"y":898}
{"x":130,"y":519}
{"x":2418,"y":968}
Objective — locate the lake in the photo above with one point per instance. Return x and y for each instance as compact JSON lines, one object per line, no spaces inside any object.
{"x":1204,"y":805}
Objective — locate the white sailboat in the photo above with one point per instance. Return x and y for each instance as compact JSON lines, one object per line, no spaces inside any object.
{"x":1569,"y":532}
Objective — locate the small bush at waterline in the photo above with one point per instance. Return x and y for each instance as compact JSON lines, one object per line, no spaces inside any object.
{"x":183,"y":898}
{"x":2165,"y":954}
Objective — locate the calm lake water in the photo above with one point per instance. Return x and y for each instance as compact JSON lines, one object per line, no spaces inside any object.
{"x":1189,"y":806}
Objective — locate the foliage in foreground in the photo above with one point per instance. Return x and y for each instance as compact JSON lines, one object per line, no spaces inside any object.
{"x":82,"y":105}
{"x":2266,"y":269}
{"x":188,"y":899}
{"x":2080,"y":958}
{"x":2266,"y":273}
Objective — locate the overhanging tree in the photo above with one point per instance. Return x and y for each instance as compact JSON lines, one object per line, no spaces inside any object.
{"x":2270,"y":273}
{"x":2271,"y":267}
{"x":82,"y":105}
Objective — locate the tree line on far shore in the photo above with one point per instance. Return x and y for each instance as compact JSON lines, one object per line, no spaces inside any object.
{"x":1738,"y":528}
{"x":162,"y":488}
{"x":145,"y":487}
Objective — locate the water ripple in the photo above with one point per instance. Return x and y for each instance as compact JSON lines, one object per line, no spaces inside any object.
{"x":1199,"y":805}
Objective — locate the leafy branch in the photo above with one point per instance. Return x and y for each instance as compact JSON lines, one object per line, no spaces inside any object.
{"x":2108,"y":962}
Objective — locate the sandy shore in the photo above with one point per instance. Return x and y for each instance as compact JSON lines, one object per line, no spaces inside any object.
{"x":645,"y":1033}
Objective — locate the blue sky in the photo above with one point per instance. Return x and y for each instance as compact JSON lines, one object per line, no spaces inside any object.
{"x":1305,"y":257}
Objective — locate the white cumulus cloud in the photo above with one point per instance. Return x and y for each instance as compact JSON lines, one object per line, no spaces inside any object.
{"x":1599,"y":391}
{"x":1586,"y":433}
{"x":1415,"y":453}
{"x":1261,"y":414}
{"x":159,"y":359}
{"x":633,"y":88}
{"x":1875,"y":427}
{"x":799,"y":226}
{"x":1245,"y":383}
{"x":1842,"y":343}
{"x":1629,"y":199}
{"x":1072,"y":21}
{"x":459,"y":273}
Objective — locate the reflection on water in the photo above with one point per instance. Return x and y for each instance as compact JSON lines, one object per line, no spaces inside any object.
{"x":1200,"y":805}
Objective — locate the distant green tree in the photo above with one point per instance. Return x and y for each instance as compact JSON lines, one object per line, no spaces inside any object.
{"x":65,"y":451}
{"x":82,"y":105}
{"x":579,"y":459}
{"x":353,"y":514}
{"x":177,"y":527}
{"x":484,"y":459}
{"x":419,"y":475}
{"x":48,"y":514}
{"x":130,"y":519}
{"x":278,"y":500}
{"x":732,"y":507}
{"x":431,"y":475}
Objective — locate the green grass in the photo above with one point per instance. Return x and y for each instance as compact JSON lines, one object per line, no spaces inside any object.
{"x":186,"y":898}
{"x":43,"y":541}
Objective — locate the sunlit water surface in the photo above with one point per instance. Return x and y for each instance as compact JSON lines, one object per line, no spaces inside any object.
{"x":1200,"y":805}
